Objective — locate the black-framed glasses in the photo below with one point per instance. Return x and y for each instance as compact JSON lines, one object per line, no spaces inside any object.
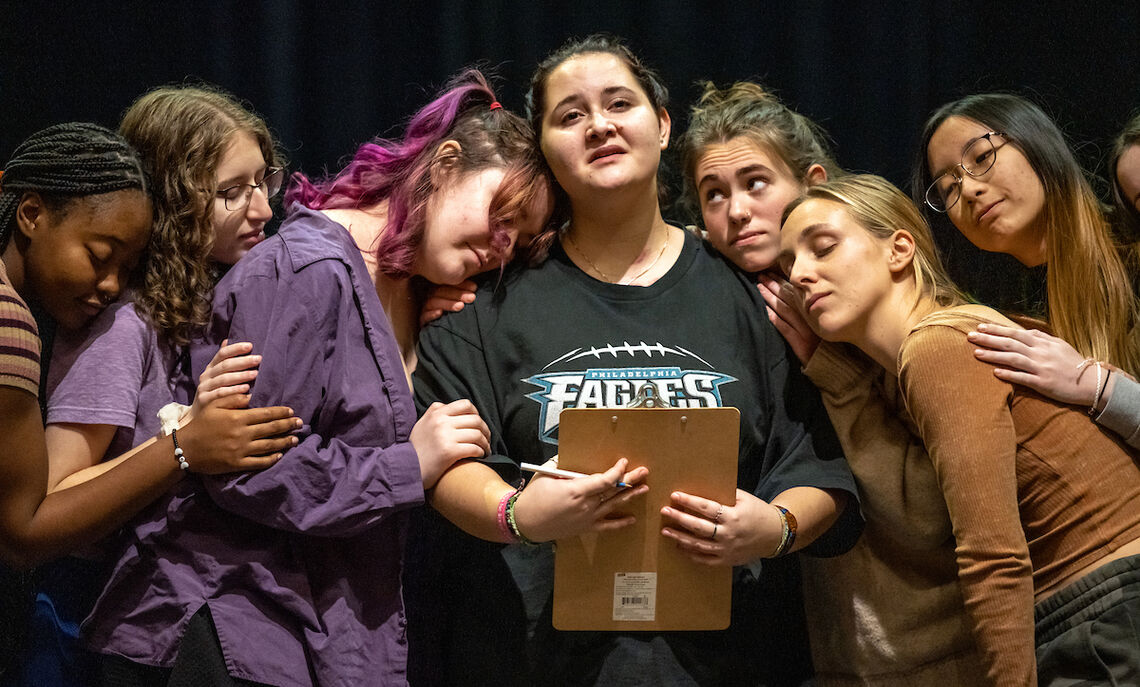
{"x":237,"y":197}
{"x":977,"y":159}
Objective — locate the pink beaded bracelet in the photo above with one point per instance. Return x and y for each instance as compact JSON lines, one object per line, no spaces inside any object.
{"x":504,"y":527}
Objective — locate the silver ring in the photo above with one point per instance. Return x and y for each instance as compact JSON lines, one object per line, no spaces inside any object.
{"x":719,"y":512}
{"x":713,"y":536}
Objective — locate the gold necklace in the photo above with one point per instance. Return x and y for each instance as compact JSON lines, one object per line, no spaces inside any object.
{"x":610,"y":279}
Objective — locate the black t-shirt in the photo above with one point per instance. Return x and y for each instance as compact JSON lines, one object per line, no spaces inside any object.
{"x":551,"y":337}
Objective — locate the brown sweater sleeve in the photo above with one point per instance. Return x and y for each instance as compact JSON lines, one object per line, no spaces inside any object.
{"x":889,"y":462}
{"x":962,"y":413}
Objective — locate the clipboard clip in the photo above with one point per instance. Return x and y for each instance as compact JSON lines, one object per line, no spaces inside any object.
{"x":648,"y":397}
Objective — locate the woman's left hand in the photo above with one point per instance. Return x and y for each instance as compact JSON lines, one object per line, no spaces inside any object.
{"x":721,"y":534}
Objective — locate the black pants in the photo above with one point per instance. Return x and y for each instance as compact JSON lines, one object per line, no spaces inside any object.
{"x":200,"y":662}
{"x":1089,"y":632}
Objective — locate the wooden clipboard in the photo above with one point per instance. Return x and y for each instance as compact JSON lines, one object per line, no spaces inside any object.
{"x":635,"y":578}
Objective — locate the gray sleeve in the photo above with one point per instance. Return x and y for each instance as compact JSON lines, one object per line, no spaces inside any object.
{"x":1122,"y":413}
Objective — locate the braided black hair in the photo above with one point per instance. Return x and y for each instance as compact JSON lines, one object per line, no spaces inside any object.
{"x":64,"y":162}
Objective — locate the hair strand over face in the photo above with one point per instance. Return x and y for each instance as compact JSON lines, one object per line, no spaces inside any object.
{"x":400,"y":171}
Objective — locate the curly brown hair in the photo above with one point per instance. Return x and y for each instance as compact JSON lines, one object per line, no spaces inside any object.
{"x":181,"y":133}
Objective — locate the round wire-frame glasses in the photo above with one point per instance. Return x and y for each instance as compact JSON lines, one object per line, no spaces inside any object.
{"x":977,"y":158}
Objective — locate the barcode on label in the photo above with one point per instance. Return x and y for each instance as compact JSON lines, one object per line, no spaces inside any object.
{"x":634,"y":600}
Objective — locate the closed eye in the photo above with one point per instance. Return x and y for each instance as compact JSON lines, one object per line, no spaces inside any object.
{"x":824,"y":250}
{"x":99,"y":255}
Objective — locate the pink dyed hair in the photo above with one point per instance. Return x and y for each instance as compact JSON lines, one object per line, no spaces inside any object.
{"x":399,"y":171}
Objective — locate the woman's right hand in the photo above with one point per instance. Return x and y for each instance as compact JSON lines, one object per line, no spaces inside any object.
{"x":1040,"y":361}
{"x":229,"y":437}
{"x":552,"y":508}
{"x":447,"y":433}
{"x":447,"y":298}
{"x":784,"y":313}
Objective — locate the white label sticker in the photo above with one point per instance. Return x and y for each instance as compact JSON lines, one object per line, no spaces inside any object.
{"x":635,"y":596}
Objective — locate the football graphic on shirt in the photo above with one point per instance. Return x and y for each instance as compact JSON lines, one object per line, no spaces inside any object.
{"x":608,"y":376}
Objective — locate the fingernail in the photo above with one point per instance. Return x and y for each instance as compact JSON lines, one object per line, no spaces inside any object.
{"x":983,"y":327}
{"x":257,"y":358}
{"x":457,"y":307}
{"x":468,"y":298}
{"x":298,"y":422}
{"x":294,"y":440}
{"x":971,"y":335}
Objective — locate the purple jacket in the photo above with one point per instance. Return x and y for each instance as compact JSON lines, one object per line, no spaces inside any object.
{"x":300,"y":563}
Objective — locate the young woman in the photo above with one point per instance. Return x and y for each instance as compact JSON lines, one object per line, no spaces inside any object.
{"x":75,"y":215}
{"x":292,"y":576}
{"x":108,"y":383}
{"x":643,"y":296}
{"x":1014,"y":162}
{"x":1043,"y":548}
{"x":1124,"y":166}
{"x":888,"y":612}
{"x":999,"y":168}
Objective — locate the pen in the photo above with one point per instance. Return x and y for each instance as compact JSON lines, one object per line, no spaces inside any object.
{"x":568,"y":474}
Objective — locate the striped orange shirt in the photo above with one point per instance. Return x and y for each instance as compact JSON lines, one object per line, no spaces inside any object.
{"x":19,"y":340}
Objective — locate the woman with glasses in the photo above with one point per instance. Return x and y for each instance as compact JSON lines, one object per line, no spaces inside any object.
{"x":291,"y":575}
{"x":1124,"y":166}
{"x":75,"y":215}
{"x":213,"y":168}
{"x":1048,"y":555}
{"x":999,"y":168}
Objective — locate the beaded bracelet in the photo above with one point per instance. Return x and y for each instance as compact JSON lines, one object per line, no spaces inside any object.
{"x":1099,"y":392}
{"x":1100,"y":384}
{"x":178,"y":455}
{"x":504,"y":527}
{"x":788,"y":538}
{"x":512,"y":524}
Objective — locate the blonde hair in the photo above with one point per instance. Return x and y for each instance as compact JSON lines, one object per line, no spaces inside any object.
{"x":181,"y":133}
{"x":882,"y":209}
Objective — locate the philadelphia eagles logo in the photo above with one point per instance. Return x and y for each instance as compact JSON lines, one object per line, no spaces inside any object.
{"x":615,"y":387}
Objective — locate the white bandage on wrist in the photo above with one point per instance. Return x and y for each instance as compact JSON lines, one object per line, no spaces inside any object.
{"x":170,"y":417}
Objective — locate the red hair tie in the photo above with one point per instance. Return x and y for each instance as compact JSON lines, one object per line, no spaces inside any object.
{"x":496,"y":106}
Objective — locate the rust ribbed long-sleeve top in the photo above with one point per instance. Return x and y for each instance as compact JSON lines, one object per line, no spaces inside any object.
{"x":1035,"y":490}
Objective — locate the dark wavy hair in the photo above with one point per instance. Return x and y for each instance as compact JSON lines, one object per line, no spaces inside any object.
{"x":181,"y":132}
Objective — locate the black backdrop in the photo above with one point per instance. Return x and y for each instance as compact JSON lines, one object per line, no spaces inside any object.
{"x":330,"y":75}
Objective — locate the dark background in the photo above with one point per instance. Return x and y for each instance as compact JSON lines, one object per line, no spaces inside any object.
{"x":329,"y":76}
